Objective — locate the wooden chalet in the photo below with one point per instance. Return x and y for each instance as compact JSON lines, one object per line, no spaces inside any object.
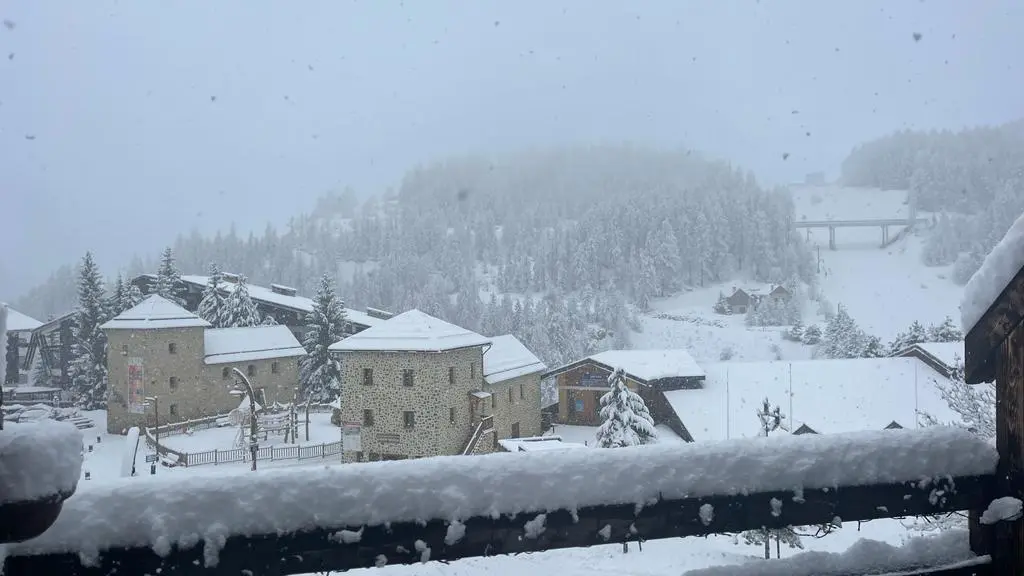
{"x":278,"y":301}
{"x":650,"y":373}
{"x":19,"y":333}
{"x":52,"y":342}
{"x":994,"y":351}
{"x":742,"y":299}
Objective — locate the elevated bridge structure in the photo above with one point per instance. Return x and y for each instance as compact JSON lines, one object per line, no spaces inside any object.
{"x":884,"y":224}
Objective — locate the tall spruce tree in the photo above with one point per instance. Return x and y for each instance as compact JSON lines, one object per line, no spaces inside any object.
{"x":627,"y":422}
{"x":240,"y":311}
{"x":168,"y":278}
{"x":213,"y":306}
{"x":88,"y":366}
{"x":320,"y":372}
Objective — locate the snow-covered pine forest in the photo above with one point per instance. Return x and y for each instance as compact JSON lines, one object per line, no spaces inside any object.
{"x":973,"y":178}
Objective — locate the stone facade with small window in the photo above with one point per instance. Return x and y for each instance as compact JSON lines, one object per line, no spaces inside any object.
{"x":176,"y":366}
{"x":405,"y":402}
{"x":524,"y":408}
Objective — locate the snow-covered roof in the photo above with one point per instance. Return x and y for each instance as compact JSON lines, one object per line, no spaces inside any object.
{"x":944,"y":352}
{"x":829,"y":396}
{"x":223,"y":345}
{"x":537,"y":443}
{"x":411,"y":331}
{"x":155,"y":312}
{"x":18,"y":322}
{"x":267,"y":295}
{"x":649,"y":365}
{"x":508,"y":358}
{"x":999,"y":267}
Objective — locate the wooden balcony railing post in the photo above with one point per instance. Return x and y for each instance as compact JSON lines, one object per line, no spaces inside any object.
{"x":1008,"y":537}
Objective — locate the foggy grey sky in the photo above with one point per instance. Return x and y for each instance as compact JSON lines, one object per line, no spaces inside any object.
{"x":129,"y":149}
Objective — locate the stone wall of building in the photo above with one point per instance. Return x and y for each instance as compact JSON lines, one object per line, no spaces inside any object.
{"x":274,"y":386}
{"x":196,"y":390}
{"x":163,"y":354}
{"x":524,"y":406}
{"x":432,"y":399}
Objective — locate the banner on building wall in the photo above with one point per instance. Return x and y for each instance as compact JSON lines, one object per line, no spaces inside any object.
{"x":136,"y":393}
{"x":351,"y":438}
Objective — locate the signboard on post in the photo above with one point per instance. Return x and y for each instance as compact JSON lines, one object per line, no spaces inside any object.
{"x":136,"y":392}
{"x":351,"y":437}
{"x":151,"y":458}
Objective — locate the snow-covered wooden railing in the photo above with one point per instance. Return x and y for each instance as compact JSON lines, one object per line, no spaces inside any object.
{"x":292,"y":521}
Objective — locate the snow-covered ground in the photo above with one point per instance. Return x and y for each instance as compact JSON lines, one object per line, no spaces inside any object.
{"x":884,"y":290}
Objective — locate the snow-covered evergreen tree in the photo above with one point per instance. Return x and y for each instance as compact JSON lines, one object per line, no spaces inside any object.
{"x":168,"y":278}
{"x":947,"y":331}
{"x":10,"y":358}
{"x":626,"y":420}
{"x":213,"y":306}
{"x":811,"y":336}
{"x":41,"y":374}
{"x":722,"y":305}
{"x":320,"y":371}
{"x":914,"y":334}
{"x":131,"y":296}
{"x":88,"y":366}
{"x":842,"y":337}
{"x":795,"y":332}
{"x":239,"y":309}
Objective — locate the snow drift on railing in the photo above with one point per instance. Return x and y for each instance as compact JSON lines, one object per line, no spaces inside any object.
{"x":864,"y":557}
{"x":164,"y":511}
{"x":38,"y":460}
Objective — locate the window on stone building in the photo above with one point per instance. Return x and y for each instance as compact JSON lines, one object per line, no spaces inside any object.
{"x":174,"y":409}
{"x":451,"y":375}
{"x":494,"y":440}
{"x":368,"y":376}
{"x":522,"y":392}
{"x":494,"y":401}
{"x":275,"y":368}
{"x":409,"y":418}
{"x":124,"y":349}
{"x":250,"y":370}
{"x":172,"y":348}
{"x":509,"y":395}
{"x":407,"y":377}
{"x":451,"y":415}
{"x":367,"y":417}
{"x":225,"y":373}
{"x":472,"y":370}
{"x":515,"y":429}
{"x":173,"y":382}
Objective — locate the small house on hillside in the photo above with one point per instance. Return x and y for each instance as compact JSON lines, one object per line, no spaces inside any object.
{"x":744,"y":298}
{"x":650,"y":373}
{"x":159,"y":349}
{"x":940,"y":356}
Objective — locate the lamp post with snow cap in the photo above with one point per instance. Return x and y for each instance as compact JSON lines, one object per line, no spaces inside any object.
{"x":154,"y":401}
{"x":244,"y":388}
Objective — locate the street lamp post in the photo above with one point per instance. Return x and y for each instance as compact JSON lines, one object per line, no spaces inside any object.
{"x":254,"y":447}
{"x":154,"y":401}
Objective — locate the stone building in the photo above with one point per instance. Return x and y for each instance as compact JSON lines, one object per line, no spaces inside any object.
{"x":417,"y":386}
{"x":159,"y":349}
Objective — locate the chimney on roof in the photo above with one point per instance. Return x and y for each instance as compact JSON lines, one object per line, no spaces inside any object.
{"x":283,"y":290}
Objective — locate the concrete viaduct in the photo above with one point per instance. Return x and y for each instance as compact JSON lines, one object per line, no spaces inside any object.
{"x":884,"y":224}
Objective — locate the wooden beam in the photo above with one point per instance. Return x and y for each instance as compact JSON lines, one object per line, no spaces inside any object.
{"x":1008,"y":544}
{"x":984,"y":339}
{"x":323,"y":550}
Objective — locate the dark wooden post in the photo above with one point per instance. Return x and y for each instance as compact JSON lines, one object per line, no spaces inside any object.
{"x":994,"y":350}
{"x":1008,"y":537}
